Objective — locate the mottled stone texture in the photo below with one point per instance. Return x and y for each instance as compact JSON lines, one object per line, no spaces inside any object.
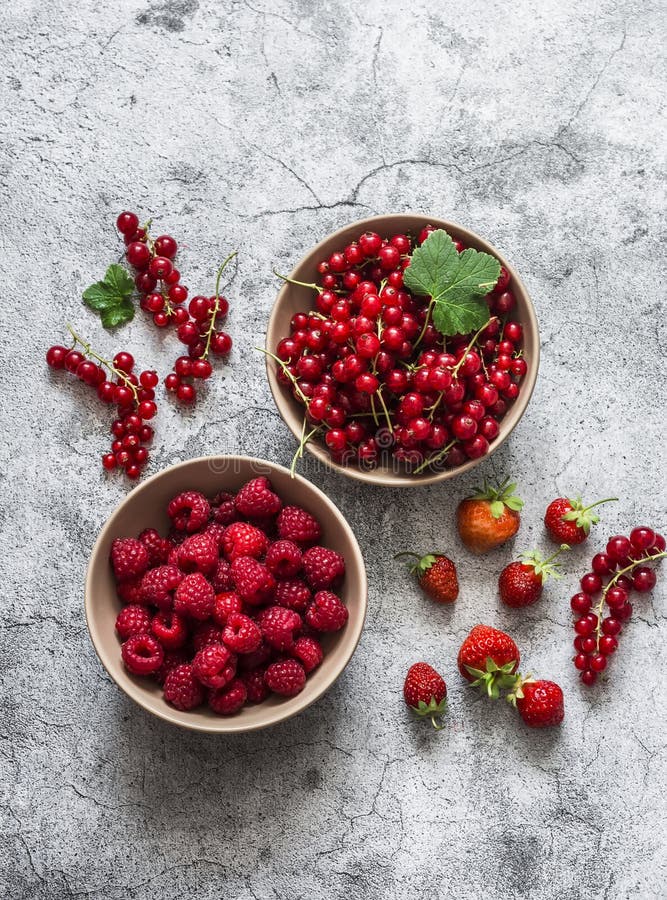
{"x":264,"y":126}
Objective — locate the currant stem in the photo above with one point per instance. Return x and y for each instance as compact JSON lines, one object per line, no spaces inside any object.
{"x":214,"y":312}
{"x":434,"y":459}
{"x":613,"y":581}
{"x":289,"y":280}
{"x":302,"y":443}
{"x":283,"y":366}
{"x":426,"y":323}
{"x":456,"y":368}
{"x":105,"y":362}
{"x":386,"y":411}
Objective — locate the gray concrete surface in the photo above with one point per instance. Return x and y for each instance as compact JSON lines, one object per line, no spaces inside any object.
{"x":264,"y":126}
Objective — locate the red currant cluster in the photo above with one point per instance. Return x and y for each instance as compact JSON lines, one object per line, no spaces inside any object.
{"x":374,"y":373}
{"x":134,"y":397}
{"x":158,"y":281}
{"x":619,"y":570}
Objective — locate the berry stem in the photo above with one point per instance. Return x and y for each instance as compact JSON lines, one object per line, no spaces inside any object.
{"x":598,"y":502}
{"x":302,"y":444}
{"x":557,"y":553}
{"x":612,"y":582}
{"x":289,"y":280}
{"x":386,"y":411}
{"x":105,"y":362}
{"x":433,"y":459}
{"x":214,"y":312}
{"x":427,"y":322}
{"x":455,"y":370}
{"x":287,"y":372}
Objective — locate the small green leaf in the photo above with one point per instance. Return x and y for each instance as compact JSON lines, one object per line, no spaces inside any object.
{"x":99,"y":295}
{"x":112,"y":297}
{"x":119,"y":280}
{"x":113,"y":316}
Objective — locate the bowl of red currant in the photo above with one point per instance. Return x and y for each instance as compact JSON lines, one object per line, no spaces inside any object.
{"x":402,"y":350}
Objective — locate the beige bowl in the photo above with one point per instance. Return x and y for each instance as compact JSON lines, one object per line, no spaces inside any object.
{"x":145,"y":507}
{"x":293,"y":298}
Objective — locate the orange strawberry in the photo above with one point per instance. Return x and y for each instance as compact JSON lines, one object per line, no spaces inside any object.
{"x":490,"y":517}
{"x":436,"y":575}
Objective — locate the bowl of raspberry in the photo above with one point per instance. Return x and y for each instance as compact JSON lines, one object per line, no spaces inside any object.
{"x":225,"y":595}
{"x":402,"y":350}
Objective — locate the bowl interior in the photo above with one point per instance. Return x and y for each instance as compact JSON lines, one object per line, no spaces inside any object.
{"x":146,"y":507}
{"x":294,"y":298}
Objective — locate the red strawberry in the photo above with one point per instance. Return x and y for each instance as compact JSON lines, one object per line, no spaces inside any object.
{"x":425,"y":692}
{"x":569,"y":521}
{"x":520,"y":583}
{"x":489,"y":658}
{"x":490,"y":517}
{"x":436,"y":575}
{"x":540,"y":703}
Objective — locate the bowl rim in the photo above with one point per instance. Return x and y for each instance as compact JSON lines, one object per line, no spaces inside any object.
{"x":374,"y":477}
{"x":291,"y":706}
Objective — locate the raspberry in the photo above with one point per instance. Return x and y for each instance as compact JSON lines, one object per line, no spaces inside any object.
{"x":182,"y":689}
{"x":129,"y":558}
{"x":204,"y":634}
{"x":244,"y":539}
{"x":327,"y":612}
{"x":252,"y":581}
{"x":283,"y":559}
{"x":158,"y":586}
{"x":241,"y":634}
{"x":158,"y":547}
{"x":176,"y":536}
{"x":133,"y":619}
{"x":323,"y":567}
{"x":258,"y":658}
{"x":214,"y":665}
{"x":189,"y":511}
{"x":308,"y":651}
{"x":286,"y":677}
{"x":229,"y":699}
{"x":278,"y":626}
{"x":130,"y":591}
{"x":295,"y":524}
{"x":222,"y":577}
{"x":216,"y":532}
{"x":226,"y":603}
{"x":172,"y":658}
{"x":172,"y":559}
{"x":294,"y":594}
{"x":170,"y":629}
{"x":256,"y":499}
{"x":142,"y":654}
{"x":194,"y":597}
{"x":223,"y":509}
{"x":256,"y":689}
{"x":198,"y":553}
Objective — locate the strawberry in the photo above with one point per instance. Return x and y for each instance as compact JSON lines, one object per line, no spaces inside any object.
{"x":521,"y":582}
{"x":490,"y":517}
{"x":540,"y":703}
{"x":425,"y":692}
{"x":489,"y":658}
{"x":569,"y":521}
{"x":436,"y":575}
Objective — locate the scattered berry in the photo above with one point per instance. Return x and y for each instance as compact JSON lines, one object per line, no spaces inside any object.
{"x":569,"y":521}
{"x":540,"y":703}
{"x":521,"y":582}
{"x":490,"y":517}
{"x":488,"y":658}
{"x":425,"y":692}
{"x":436,"y":575}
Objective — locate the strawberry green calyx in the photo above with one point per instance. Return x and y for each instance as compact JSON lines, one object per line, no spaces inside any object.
{"x":546,"y":568}
{"x":582,"y":515}
{"x":517,"y":692}
{"x":423,"y":563}
{"x":499,"y":496}
{"x":494,"y":678}
{"x":433,"y":710}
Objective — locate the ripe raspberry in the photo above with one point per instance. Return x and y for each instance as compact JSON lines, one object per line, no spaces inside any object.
{"x":229,"y":699}
{"x":205,"y":633}
{"x":259,"y":657}
{"x":241,"y":634}
{"x":189,"y":511}
{"x":172,"y":559}
{"x":130,"y":591}
{"x":170,"y":629}
{"x":283,"y":559}
{"x":226,"y":603}
{"x":294,"y":594}
{"x":244,"y":539}
{"x":327,"y":612}
{"x":223,"y":509}
{"x":222,"y":577}
{"x":182,"y":689}
{"x":252,"y":581}
{"x":142,"y":654}
{"x":295,"y":524}
{"x":286,"y":677}
{"x":158,"y":586}
{"x":308,"y":651}
{"x":216,"y":532}
{"x":323,"y":567}
{"x":172,"y":658}
{"x":129,"y":558}
{"x":214,"y":665}
{"x":158,"y":547}
{"x":194,"y":597}
{"x":198,"y":553}
{"x":278,"y":626}
{"x":133,"y":619}
{"x":256,"y":689}
{"x":256,"y":499}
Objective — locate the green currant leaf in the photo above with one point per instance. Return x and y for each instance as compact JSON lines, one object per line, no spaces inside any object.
{"x":118,"y":314}
{"x":456,"y":282}
{"x":112,"y":297}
